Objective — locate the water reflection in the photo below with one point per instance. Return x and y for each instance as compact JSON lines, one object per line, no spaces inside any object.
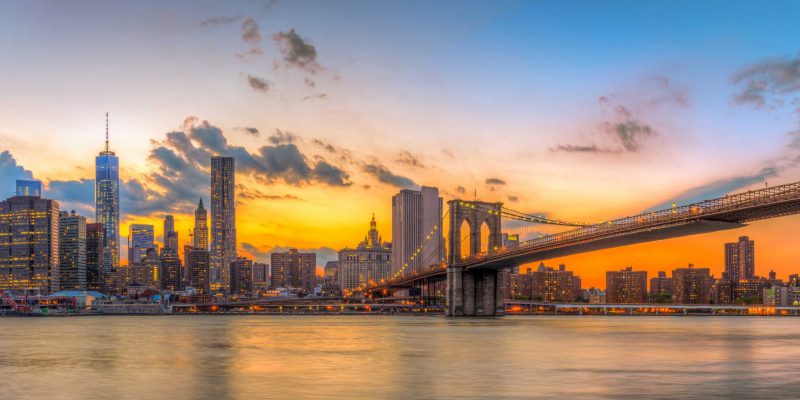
{"x":217,"y":357}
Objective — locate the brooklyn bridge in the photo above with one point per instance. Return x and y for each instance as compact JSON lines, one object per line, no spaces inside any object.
{"x":473,"y":261}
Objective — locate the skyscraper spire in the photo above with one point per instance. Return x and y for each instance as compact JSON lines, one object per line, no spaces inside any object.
{"x":106,"y":131}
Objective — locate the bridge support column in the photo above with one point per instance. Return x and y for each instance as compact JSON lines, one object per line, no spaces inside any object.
{"x":472,"y":293}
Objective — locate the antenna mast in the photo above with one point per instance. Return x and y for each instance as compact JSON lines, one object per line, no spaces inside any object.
{"x":106,"y":131}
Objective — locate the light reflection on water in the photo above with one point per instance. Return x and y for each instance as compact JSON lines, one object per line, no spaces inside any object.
{"x":346,"y":357}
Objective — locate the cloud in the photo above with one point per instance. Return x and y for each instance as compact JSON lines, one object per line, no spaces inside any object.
{"x":251,"y":36}
{"x":249,"y":193}
{"x":75,"y":195}
{"x":513,"y":199}
{"x":630,"y":133}
{"x":281,"y":137}
{"x":215,"y":21}
{"x":495,"y":182}
{"x":250,"y":130}
{"x":320,"y":96}
{"x":405,"y":157}
{"x":461,"y":190}
{"x":572,"y":148}
{"x":10,"y":171}
{"x":296,"y":51}
{"x":385,"y":176}
{"x":327,"y":146}
{"x":258,"y":84}
{"x":771,"y":81}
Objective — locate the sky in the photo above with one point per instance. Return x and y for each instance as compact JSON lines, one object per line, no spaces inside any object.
{"x":582,"y":110}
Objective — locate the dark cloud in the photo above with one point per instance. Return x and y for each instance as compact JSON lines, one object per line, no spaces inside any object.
{"x":572,"y":148}
{"x":281,"y":137}
{"x":258,"y":84}
{"x":495,"y":182}
{"x":461,"y":190}
{"x":10,"y":171}
{"x":330,"y":175}
{"x":385,"y":176}
{"x":296,"y":51}
{"x":771,"y":81}
{"x":250,"y":130}
{"x":214,"y":21}
{"x":75,"y":195}
{"x":250,"y":33}
{"x":630,"y":133}
{"x":320,"y":96}
{"x":327,"y":146}
{"x":248,"y":193}
{"x":513,"y":199}
{"x":310,"y":83}
{"x":405,"y":157}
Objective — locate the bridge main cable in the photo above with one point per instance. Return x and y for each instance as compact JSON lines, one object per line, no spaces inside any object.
{"x":521,"y":216}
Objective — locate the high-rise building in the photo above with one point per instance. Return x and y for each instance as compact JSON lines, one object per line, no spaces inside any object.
{"x":95,"y":250}
{"x":661,"y":285}
{"x":416,"y":220}
{"x":140,"y":238}
{"x":198,"y":266}
{"x":626,"y":286}
{"x":260,"y":276}
{"x":242,"y":276}
{"x":72,"y":251}
{"x":29,"y":188}
{"x":740,"y":260}
{"x":170,"y":234}
{"x":29,"y":251}
{"x":200,"y":238}
{"x":223,"y":221}
{"x":369,"y":262}
{"x":106,"y":197}
{"x":558,"y":284}
{"x":331,"y":274}
{"x":692,"y":285}
{"x":294,"y":269}
{"x":170,"y":270}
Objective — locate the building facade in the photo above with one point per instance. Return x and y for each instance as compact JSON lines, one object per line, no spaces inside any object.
{"x":170,"y":234}
{"x":29,"y":188}
{"x":200,"y":238}
{"x":140,"y":238}
{"x":29,"y":249}
{"x":169,"y":274}
{"x":198,"y":264}
{"x":223,"y":221}
{"x":740,"y":259}
{"x":626,"y":286}
{"x":370,"y":262}
{"x":416,"y":221}
{"x":72,"y":251}
{"x":242,"y":276}
{"x":692,"y":285}
{"x":293,"y":269}
{"x":260,"y":276}
{"x":661,"y":285}
{"x":95,"y":251}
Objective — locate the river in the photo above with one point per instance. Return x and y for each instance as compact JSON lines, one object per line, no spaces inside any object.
{"x":399,"y":357}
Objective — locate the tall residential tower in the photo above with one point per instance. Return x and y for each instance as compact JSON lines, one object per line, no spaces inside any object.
{"x":223,"y":221}
{"x":416,"y":214}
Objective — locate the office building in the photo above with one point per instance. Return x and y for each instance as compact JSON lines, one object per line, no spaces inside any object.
{"x":95,"y":250}
{"x":198,"y":264}
{"x":293,"y":269}
{"x":223,"y":221}
{"x":416,"y":221}
{"x":72,"y":251}
{"x":626,"y":286}
{"x":29,"y":250}
{"x":140,"y":238}
{"x":169,"y":275}
{"x":369,"y":263}
{"x":200,"y":237}
{"x":106,"y":194}
{"x":29,"y":188}
{"x":170,"y":234}
{"x":260,"y":276}
{"x":242,"y":276}
{"x":692,"y":285}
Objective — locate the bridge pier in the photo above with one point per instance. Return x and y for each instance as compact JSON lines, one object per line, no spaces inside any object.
{"x":473,"y":293}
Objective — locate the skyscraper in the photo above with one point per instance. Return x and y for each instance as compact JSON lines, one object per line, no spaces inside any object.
{"x":72,"y":251}
{"x":106,"y":197}
{"x":200,"y":240}
{"x":29,"y":188}
{"x":223,"y":221}
{"x":170,"y":270}
{"x":170,"y":234}
{"x":740,"y":260}
{"x":242,"y":276}
{"x":140,"y":238}
{"x":198,"y":265}
{"x":415,"y":215}
{"x":692,"y":285}
{"x":95,"y":244}
{"x":29,"y":244}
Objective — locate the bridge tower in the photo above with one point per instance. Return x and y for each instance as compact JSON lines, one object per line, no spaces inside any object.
{"x":473,"y":292}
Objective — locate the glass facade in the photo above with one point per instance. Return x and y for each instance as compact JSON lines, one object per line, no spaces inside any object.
{"x":140,"y":238}
{"x":106,"y":197}
{"x":29,"y":188}
{"x":223,"y":221}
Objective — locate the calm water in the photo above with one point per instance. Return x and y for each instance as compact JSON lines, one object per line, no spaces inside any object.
{"x":251,"y":357}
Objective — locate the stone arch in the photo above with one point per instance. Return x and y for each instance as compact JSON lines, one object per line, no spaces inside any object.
{"x":476,"y":213}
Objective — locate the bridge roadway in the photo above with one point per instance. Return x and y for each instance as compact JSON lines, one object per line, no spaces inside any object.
{"x":729,"y":212}
{"x":539,"y":307}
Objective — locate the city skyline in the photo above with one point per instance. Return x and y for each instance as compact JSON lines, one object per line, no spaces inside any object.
{"x":601,"y":139}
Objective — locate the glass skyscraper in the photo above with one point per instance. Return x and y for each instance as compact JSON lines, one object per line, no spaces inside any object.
{"x":106,"y":198}
{"x":29,"y":188}
{"x":223,"y":221}
{"x":140,"y":239}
